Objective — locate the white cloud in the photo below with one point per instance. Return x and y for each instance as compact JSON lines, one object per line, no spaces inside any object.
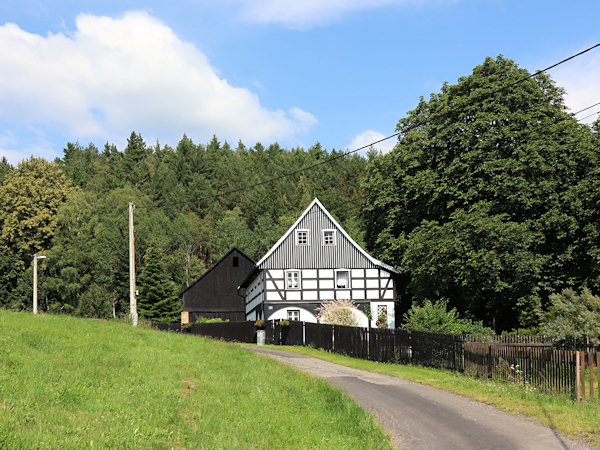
{"x":581,"y":79}
{"x":369,"y":136}
{"x":115,"y":75}
{"x":306,"y":13}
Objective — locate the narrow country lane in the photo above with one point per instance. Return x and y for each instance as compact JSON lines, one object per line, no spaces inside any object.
{"x":422,"y":417}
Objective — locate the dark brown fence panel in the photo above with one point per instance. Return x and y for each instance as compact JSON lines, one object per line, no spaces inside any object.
{"x":535,"y":363}
{"x":382,"y":345}
{"x":174,"y":326}
{"x":229,"y":331}
{"x":293,"y":334}
{"x":319,"y":336}
{"x":443,"y":351}
{"x":351,"y":341}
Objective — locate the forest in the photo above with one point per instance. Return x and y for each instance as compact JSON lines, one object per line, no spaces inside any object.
{"x":490,"y":201}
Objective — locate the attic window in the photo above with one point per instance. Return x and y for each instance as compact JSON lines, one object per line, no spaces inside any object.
{"x":328,"y":237}
{"x":236,"y":261}
{"x":302,"y":237}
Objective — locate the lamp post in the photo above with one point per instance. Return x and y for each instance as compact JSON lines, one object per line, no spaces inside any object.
{"x":35,"y":299}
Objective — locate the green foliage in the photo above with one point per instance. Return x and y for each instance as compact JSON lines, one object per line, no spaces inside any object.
{"x":5,"y":168}
{"x":29,"y":199}
{"x":435,"y":317}
{"x":489,"y":201}
{"x":158,"y":300}
{"x":96,"y":301}
{"x":210,"y":320}
{"x":574,"y":316}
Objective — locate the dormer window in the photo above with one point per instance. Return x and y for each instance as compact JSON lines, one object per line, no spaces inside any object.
{"x":302,"y":237}
{"x":328,"y":237}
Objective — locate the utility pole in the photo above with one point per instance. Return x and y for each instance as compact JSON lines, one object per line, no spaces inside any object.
{"x":35,"y":283}
{"x":132,"y":300}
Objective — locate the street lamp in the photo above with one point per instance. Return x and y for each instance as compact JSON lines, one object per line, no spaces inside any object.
{"x":35,"y":299}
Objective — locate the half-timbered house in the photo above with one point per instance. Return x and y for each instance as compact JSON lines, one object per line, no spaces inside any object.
{"x":316,"y":261}
{"x":215,"y":294}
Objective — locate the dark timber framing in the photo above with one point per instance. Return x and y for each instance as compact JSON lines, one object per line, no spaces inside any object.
{"x":370,"y":283}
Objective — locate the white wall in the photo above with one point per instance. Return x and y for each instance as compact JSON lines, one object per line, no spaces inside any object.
{"x":305,"y":315}
{"x":391,"y":316}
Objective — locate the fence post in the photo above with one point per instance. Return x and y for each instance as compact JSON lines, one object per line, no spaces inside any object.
{"x":577,"y":374}
{"x":598,"y":370}
{"x":582,"y":376}
{"x":591,"y":368}
{"x":304,"y":334}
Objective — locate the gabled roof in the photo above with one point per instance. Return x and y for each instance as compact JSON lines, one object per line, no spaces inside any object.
{"x":337,"y":225}
{"x":215,"y":265}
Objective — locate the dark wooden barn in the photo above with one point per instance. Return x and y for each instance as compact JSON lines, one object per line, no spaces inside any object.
{"x":215,"y":294}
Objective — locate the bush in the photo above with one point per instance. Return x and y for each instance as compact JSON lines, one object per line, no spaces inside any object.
{"x":435,"y":317}
{"x":573,"y":316}
{"x":211,"y":320}
{"x":338,"y":312}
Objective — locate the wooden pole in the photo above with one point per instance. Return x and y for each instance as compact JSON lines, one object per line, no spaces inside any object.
{"x":598,"y":367}
{"x":578,"y":388}
{"x":591,"y":368}
{"x":132,"y":300}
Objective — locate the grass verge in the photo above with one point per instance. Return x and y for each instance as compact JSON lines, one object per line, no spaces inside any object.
{"x":68,"y":382}
{"x":577,"y":420}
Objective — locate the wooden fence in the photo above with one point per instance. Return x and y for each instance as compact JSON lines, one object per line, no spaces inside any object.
{"x":537,"y":364}
{"x":587,"y":361}
{"x":569,"y":367}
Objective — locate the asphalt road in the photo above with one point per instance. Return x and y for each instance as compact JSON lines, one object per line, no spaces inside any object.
{"x":423,"y":417}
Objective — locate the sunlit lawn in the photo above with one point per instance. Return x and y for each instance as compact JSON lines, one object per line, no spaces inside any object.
{"x":68,"y":382}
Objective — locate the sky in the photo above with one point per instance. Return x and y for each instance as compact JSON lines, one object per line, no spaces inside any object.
{"x":296,"y":72}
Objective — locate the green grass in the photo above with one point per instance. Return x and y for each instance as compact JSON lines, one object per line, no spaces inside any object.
{"x":577,"y":420}
{"x":67,"y":382}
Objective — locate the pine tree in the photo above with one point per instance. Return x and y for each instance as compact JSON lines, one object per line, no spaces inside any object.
{"x":157,"y":301}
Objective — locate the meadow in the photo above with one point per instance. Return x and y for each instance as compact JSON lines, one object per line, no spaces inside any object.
{"x":70,"y":382}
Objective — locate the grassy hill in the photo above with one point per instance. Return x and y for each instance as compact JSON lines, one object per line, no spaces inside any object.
{"x":68,"y":382}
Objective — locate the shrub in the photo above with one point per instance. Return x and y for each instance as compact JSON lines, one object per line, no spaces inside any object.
{"x":435,"y":317}
{"x":211,"y":320}
{"x":338,"y":312}
{"x":574,"y":316}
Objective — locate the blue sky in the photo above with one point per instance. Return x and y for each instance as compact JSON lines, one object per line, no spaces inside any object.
{"x":339,"y":72}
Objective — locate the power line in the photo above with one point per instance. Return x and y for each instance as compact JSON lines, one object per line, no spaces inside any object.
{"x":588,"y":116}
{"x":585,"y":109}
{"x":410,"y":127}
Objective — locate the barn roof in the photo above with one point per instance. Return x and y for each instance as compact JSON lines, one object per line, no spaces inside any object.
{"x":215,"y":265}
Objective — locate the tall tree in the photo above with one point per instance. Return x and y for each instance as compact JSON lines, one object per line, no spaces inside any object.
{"x":475,"y":164}
{"x":29,"y":199}
{"x":5,"y":168}
{"x":158,"y":300}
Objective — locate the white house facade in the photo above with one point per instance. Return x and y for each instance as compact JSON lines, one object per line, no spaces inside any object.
{"x":316,"y":261}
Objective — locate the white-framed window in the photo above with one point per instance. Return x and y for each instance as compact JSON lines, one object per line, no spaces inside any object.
{"x":293,"y":314}
{"x":292,"y":279}
{"x":342,"y":279}
{"x":329,"y":237}
{"x":302,"y":237}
